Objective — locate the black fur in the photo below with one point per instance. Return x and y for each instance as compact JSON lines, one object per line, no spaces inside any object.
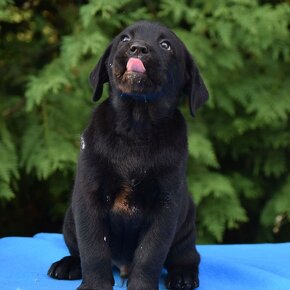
{"x":130,"y":206}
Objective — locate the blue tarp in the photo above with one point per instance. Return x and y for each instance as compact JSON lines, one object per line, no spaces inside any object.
{"x":24,"y":263}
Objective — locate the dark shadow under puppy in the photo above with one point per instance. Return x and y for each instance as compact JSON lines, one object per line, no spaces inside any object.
{"x":130,"y":206}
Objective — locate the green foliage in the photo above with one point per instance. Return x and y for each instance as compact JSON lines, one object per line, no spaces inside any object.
{"x":218,"y":213}
{"x":238,"y":144}
{"x":9,"y":164}
{"x":278,"y":206}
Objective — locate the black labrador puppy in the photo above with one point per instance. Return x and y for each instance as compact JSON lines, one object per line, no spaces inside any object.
{"x":130,"y":206}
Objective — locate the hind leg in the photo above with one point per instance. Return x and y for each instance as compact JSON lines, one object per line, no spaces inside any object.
{"x":69,"y":267}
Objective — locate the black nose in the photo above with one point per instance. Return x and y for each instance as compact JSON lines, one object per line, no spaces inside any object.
{"x":138,"y":48}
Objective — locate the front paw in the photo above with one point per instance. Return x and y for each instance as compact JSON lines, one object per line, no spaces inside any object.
{"x":68,"y":268}
{"x":182,"y":279}
{"x":99,"y":287}
{"x":138,"y":285}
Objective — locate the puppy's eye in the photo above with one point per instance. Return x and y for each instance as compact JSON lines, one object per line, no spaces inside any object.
{"x":125,"y":38}
{"x":165,"y":45}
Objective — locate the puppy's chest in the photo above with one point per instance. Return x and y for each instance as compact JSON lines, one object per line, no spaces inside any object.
{"x":124,"y":202}
{"x":131,"y":161}
{"x":134,"y":198}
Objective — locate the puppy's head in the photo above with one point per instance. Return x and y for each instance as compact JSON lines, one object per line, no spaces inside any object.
{"x":148,"y":62}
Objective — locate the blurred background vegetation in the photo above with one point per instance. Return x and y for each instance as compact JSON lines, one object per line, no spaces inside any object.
{"x":239,"y":143}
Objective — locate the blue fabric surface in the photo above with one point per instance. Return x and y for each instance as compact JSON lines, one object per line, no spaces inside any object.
{"x":24,"y":263}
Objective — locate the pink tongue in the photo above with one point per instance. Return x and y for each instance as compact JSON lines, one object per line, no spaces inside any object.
{"x":136,"y":65}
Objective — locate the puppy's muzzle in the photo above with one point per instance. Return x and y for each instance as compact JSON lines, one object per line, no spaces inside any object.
{"x":138,"y":49}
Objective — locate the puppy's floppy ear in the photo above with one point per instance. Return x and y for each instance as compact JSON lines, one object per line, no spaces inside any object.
{"x":195,"y":87}
{"x":99,"y":75}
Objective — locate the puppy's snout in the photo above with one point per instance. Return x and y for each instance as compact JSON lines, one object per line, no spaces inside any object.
{"x":138,"y":49}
